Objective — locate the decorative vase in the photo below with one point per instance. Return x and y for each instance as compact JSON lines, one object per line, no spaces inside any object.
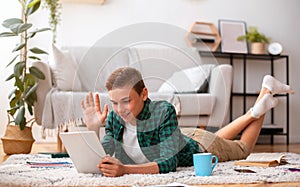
{"x":258,"y":48}
{"x":17,"y":141}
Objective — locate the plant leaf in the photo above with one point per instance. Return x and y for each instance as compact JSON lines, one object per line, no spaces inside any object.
{"x":31,"y":90}
{"x":41,"y":30}
{"x":19,"y":84}
{"x":12,"y":110}
{"x":18,"y":47}
{"x":12,"y":104}
{"x":37,"y":73}
{"x":14,"y":28}
{"x":30,"y":79}
{"x":32,"y":34}
{"x":23,"y":27}
{"x":34,"y":57}
{"x":32,"y":3}
{"x":18,"y":69}
{"x":23,"y":123}
{"x":241,"y":38}
{"x":7,"y":34}
{"x":12,"y":60}
{"x":31,"y":99}
{"x":14,"y":101}
{"x":20,"y":116}
{"x":12,"y":21}
{"x":12,"y":93}
{"x":38,"y":51}
{"x":33,"y":6}
{"x":10,"y":77}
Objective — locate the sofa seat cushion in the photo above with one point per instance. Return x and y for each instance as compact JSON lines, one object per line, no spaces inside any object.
{"x":196,"y":104}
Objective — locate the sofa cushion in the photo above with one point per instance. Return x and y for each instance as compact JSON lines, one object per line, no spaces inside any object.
{"x":196,"y":104}
{"x":193,"y":79}
{"x":64,"y":70}
{"x":158,"y":62}
{"x":97,"y":63}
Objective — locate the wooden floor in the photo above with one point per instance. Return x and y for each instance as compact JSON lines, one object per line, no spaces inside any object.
{"x":295,"y":148}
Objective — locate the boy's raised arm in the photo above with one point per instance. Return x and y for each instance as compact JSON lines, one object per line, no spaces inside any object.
{"x":93,"y":116}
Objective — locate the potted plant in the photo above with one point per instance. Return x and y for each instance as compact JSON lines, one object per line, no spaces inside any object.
{"x":256,"y":39}
{"x":18,"y":137}
{"x":54,"y":7}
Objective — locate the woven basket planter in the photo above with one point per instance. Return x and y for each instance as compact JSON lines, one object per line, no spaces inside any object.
{"x":16,"y":141}
{"x":258,"y":48}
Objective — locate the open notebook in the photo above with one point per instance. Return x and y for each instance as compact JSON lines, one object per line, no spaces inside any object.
{"x":85,"y":150}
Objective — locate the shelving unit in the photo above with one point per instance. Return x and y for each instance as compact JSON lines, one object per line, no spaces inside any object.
{"x":271,"y":129}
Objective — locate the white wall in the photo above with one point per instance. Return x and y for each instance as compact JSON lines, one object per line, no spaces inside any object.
{"x":84,"y":24}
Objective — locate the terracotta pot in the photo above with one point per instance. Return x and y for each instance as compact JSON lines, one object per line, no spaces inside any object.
{"x":258,"y":48}
{"x":16,"y":141}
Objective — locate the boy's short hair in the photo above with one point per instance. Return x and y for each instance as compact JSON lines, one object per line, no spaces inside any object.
{"x":126,"y":77}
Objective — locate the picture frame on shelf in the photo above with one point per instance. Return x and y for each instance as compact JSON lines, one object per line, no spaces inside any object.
{"x":230,"y":30}
{"x":204,"y":36}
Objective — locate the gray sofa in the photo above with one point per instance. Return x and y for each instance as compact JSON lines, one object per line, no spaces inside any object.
{"x":87,"y":69}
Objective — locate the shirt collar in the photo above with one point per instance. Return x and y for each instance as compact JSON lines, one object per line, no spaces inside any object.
{"x":145,"y":114}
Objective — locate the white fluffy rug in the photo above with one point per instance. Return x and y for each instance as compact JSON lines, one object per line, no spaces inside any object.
{"x":15,"y":172}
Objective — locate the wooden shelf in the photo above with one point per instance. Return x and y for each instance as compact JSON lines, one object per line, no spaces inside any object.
{"x":203,"y":35}
{"x":242,"y":56}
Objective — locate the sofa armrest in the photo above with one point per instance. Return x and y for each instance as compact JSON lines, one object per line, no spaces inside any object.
{"x":220,"y":87}
{"x":42,"y":90}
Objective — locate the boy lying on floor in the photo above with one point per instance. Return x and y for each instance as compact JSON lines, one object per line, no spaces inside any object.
{"x":144,"y":136}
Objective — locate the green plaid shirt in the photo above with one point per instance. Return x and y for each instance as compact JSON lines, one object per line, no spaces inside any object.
{"x":158,"y":135}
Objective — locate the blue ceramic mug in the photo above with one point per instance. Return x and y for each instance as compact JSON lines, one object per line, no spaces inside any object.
{"x":203,"y":163}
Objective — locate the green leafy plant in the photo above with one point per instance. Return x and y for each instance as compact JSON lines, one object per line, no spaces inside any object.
{"x":54,"y":7}
{"x":23,"y":96}
{"x":254,"y":36}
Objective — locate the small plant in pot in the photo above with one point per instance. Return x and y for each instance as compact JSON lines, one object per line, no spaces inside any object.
{"x":18,"y":136}
{"x":256,"y":39}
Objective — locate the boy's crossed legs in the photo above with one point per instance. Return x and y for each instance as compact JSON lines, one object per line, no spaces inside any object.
{"x":249,"y":124}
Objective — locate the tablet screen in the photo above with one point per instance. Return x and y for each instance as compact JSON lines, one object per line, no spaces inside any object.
{"x":85,"y":150}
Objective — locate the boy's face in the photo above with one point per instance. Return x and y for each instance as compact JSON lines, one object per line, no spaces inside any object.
{"x":127,"y":103}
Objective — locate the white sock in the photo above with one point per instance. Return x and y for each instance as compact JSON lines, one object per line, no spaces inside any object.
{"x":262,"y":106}
{"x":275,"y":86}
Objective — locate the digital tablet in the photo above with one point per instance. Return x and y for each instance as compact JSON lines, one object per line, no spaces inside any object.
{"x":85,"y":150}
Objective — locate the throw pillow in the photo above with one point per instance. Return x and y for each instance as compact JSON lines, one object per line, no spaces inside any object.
{"x":191,"y":80}
{"x":64,"y":70}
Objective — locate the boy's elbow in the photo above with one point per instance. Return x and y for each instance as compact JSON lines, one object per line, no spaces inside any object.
{"x":167,"y":166}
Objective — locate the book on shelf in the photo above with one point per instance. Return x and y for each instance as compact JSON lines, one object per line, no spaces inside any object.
{"x":263,"y":160}
{"x":204,"y":38}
